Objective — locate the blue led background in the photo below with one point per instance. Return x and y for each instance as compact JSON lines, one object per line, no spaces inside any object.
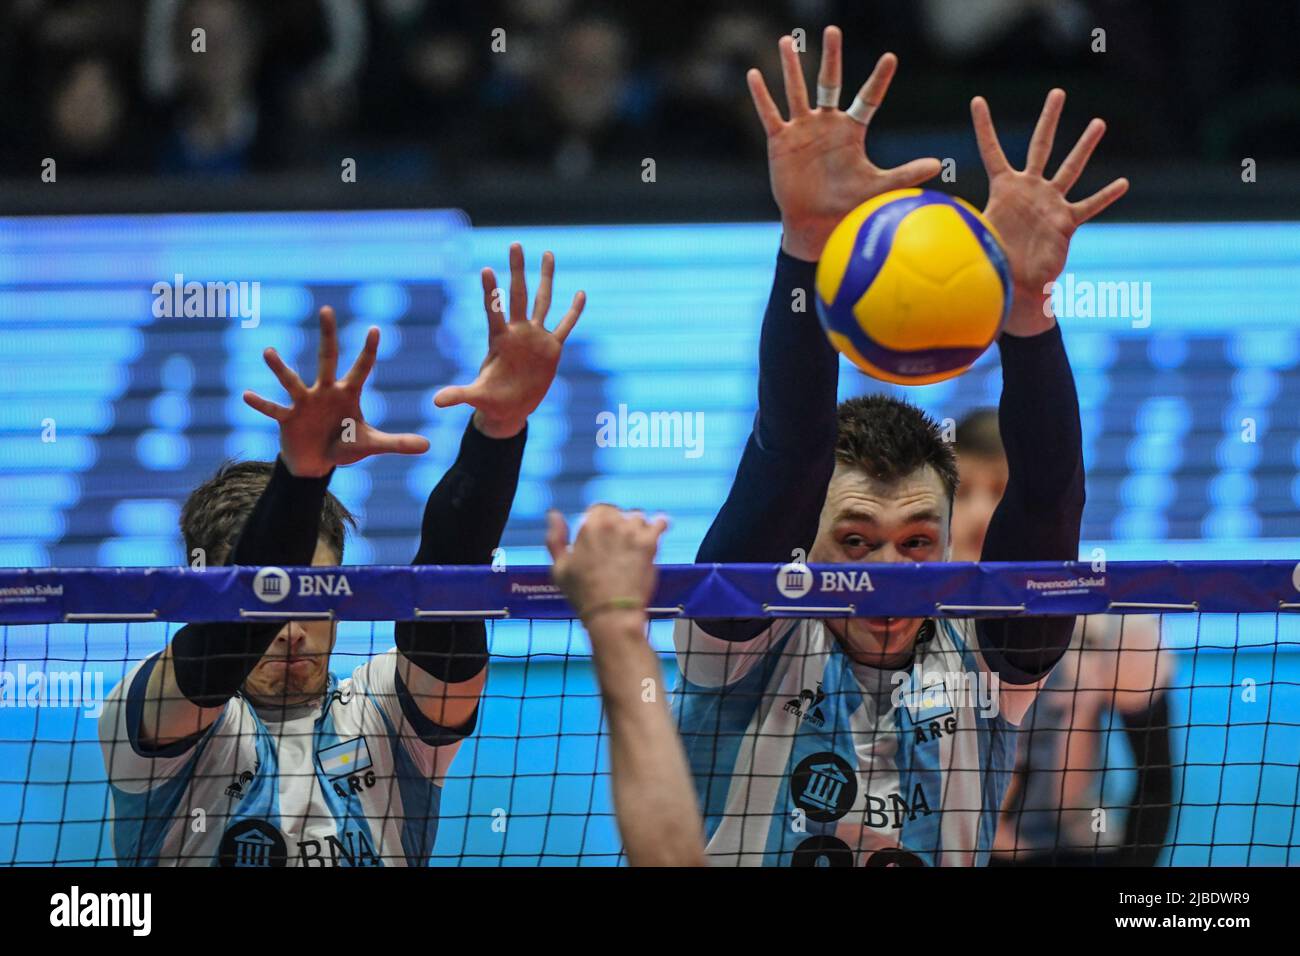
{"x":143,"y":409}
{"x":146,"y":408}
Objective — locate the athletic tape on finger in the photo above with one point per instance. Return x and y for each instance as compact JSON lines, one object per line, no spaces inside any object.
{"x":861,"y":111}
{"x":828,"y":96}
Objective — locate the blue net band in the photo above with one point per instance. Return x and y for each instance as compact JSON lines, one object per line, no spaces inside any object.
{"x":40,"y":595}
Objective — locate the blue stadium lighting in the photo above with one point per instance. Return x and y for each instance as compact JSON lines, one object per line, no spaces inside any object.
{"x":672,"y":324}
{"x":170,"y":410}
{"x":162,"y":451}
{"x":144,"y":517}
{"x":379,"y":302}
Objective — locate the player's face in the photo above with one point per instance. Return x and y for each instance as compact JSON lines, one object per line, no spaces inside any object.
{"x":983,"y":482}
{"x":865,"y":520}
{"x":295,"y":668}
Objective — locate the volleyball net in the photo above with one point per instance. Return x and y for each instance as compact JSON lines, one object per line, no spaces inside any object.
{"x":1168,"y":734}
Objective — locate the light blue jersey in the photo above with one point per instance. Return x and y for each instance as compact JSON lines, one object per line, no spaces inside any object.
{"x":353,"y":779}
{"x":802,"y":757}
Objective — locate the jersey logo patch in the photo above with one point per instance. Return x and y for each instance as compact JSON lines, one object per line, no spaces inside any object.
{"x":345,"y":758}
{"x":927,"y":704}
{"x":824,"y":786}
{"x":252,"y":843}
{"x":236,"y":788}
{"x":805,"y":706}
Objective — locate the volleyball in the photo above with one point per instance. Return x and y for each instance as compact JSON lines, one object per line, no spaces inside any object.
{"x":913,"y":286}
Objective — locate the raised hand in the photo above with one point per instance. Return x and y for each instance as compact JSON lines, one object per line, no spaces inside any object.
{"x":1031,"y":213}
{"x":611,"y":565}
{"x":817,"y":160}
{"x":522,"y":355}
{"x":324,"y":427}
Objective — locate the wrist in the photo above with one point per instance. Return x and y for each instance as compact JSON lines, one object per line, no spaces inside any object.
{"x":1031,"y":313}
{"x":498,"y":427}
{"x":619,"y":610}
{"x":305,"y":468}
{"x":804,"y":240}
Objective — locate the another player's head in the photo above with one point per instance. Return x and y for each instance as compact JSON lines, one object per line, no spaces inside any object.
{"x":889,"y":500}
{"x":982,"y":465}
{"x":295,"y":668}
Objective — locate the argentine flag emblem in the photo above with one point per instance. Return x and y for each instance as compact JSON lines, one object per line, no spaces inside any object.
{"x":344,"y":758}
{"x":928,"y":704}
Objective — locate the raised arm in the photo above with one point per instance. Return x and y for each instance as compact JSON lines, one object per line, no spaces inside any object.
{"x":443,"y":664}
{"x":819,"y":172}
{"x":1039,"y":516}
{"x":205,"y":664}
{"x":608,"y":577}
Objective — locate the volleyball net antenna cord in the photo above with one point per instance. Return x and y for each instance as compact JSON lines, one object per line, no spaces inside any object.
{"x":797,"y":756}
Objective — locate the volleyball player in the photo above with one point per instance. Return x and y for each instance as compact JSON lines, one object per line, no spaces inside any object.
{"x":608,"y":576}
{"x":804,"y":746}
{"x":235,"y":745}
{"x":1115,"y":668}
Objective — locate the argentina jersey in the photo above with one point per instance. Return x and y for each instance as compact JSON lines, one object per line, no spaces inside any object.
{"x":802,"y":757}
{"x":353,"y":779}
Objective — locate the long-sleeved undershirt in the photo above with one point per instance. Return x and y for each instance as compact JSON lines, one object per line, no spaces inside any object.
{"x":780,"y":485}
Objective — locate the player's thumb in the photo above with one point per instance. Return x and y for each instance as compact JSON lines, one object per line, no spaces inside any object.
{"x":557,"y":535}
{"x":450,"y":395}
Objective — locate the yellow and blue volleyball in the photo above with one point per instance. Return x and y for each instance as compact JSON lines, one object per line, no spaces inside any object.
{"x":913,"y":286}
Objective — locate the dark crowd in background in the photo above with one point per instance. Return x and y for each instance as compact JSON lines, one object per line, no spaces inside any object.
{"x":412,"y":88}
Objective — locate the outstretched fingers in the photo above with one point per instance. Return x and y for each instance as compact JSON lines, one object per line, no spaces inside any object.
{"x":268,"y":408}
{"x":1040,"y":144}
{"x":384,"y":443}
{"x":1095,"y":204}
{"x":496,"y":319}
{"x":911,"y":174}
{"x":286,"y":376}
{"x":518,"y":285}
{"x":830,"y":74}
{"x":571,"y":317}
{"x":986,"y":137}
{"x":456,"y":395}
{"x":365,"y":362}
{"x":1075,"y":163}
{"x":768,"y":113}
{"x":873,"y":91}
{"x":542,"y":302}
{"x":327,"y":352}
{"x":796,"y":89}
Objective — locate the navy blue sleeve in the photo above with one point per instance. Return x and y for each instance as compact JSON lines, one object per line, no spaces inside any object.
{"x":212,"y":659}
{"x":464,"y":519}
{"x":776,"y":497}
{"x":1151,"y":806}
{"x":135,"y":696}
{"x":1039,"y":516}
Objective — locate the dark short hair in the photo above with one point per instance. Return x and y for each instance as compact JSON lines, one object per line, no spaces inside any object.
{"x":978,"y":434}
{"x":889,"y":439}
{"x":215,"y":512}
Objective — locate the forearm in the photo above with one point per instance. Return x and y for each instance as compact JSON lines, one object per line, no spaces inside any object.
{"x":1151,"y":806}
{"x":464,"y":519}
{"x":776,"y":498}
{"x":653,"y":797}
{"x":211,"y":660}
{"x":1039,"y":516}
{"x":467,"y":511}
